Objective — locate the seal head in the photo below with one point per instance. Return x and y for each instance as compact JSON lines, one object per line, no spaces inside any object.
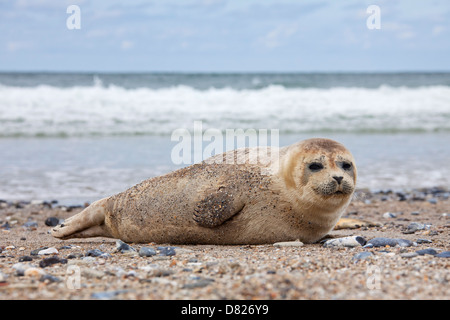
{"x":320,"y":177}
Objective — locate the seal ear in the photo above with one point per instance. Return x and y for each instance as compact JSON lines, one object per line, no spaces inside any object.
{"x":216,"y":207}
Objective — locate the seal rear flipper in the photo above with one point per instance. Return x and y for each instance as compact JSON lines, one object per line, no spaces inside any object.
{"x":217,"y":207}
{"x":88,"y":223}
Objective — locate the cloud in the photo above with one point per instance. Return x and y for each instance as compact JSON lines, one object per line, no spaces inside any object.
{"x":279,"y":35}
{"x":126,"y":45}
{"x":437,"y":30}
{"x":45,"y":4}
{"x":400,"y":30}
{"x":14,"y":46}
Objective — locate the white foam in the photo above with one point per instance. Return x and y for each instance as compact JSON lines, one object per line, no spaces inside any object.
{"x":98,"y":110}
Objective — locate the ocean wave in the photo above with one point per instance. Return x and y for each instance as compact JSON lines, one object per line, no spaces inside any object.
{"x":98,"y":110}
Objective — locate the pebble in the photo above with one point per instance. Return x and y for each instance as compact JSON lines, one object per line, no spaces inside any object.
{"x":94,"y":253}
{"x":25,"y":258}
{"x":166,"y":251}
{"x":51,"y":221}
{"x":49,"y":278}
{"x":30,"y":224}
{"x":415,"y":213}
{"x":2,"y":277}
{"x":50,"y":261}
{"x":122,"y":247}
{"x":415,"y":226}
{"x":392,"y":242}
{"x":48,"y":251}
{"x":88,"y":259}
{"x":409,"y":255}
{"x":419,"y":241}
{"x":36,"y":251}
{"x":160,"y":272}
{"x":20,"y":268}
{"x":432,"y":201}
{"x":6,"y":226}
{"x":198,"y":284}
{"x":106,"y":295}
{"x":147,"y":252}
{"x":445,"y":254}
{"x":347,"y":242}
{"x":289,"y":244}
{"x":426,"y":251}
{"x":33,"y":272}
{"x":362,"y":256}
{"x":389,"y":215}
{"x":92,"y":273}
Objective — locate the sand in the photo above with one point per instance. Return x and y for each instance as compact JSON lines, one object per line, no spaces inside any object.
{"x":258,"y":272}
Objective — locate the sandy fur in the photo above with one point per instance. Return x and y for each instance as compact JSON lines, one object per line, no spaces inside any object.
{"x":225,"y":203}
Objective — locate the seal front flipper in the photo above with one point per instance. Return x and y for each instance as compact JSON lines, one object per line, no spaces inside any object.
{"x":217,"y":206}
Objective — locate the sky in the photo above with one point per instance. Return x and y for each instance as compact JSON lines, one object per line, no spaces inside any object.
{"x":225,"y":36}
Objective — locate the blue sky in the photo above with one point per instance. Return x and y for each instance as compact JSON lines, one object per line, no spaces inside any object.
{"x":224,"y":36}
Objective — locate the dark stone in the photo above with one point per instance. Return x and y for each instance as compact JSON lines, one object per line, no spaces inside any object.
{"x":25,"y":258}
{"x":51,"y":221}
{"x":94,"y":253}
{"x":413,"y":227}
{"x":166,"y":251}
{"x":445,"y":254}
{"x":52,"y":260}
{"x":50,"y":278}
{"x":5,"y":226}
{"x":123,"y":247}
{"x":361,"y":240}
{"x":382,"y":242}
{"x":419,"y":241}
{"x":147,"y":252}
{"x":426,"y":251}
{"x":392,"y":242}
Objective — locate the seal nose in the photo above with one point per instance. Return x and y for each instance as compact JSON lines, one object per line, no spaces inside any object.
{"x":338,"y":179}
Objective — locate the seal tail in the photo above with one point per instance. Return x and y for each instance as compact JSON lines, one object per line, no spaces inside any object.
{"x":88,"y":223}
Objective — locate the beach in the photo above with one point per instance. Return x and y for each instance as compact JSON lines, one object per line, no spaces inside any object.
{"x":68,"y":139}
{"x":99,"y":268}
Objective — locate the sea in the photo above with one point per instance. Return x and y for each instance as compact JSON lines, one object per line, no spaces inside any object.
{"x":79,"y":137}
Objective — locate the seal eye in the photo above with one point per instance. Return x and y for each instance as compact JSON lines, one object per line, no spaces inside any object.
{"x":346,"y":166}
{"x":315,"y":166}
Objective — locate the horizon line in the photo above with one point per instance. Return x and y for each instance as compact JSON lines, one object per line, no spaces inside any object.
{"x":218,"y":72}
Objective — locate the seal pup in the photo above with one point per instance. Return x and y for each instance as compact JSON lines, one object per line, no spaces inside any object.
{"x":300,"y":194}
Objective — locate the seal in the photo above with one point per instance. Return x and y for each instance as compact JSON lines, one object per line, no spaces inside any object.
{"x":298,"y":195}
